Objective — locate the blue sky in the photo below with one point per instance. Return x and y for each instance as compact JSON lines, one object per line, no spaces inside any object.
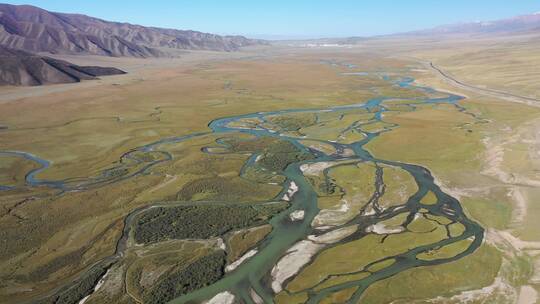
{"x":293,"y":19}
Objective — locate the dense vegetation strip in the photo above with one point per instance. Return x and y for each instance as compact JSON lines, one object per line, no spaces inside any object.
{"x":202,"y":272}
{"x":200,"y":221}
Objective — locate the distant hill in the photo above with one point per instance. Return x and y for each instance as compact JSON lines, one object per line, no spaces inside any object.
{"x":515,"y":25}
{"x":519,"y":25}
{"x":22,"y":68}
{"x":33,"y":29}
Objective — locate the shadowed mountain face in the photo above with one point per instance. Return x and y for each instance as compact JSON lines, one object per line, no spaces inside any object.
{"x":23,"y":68}
{"x":36,"y":30}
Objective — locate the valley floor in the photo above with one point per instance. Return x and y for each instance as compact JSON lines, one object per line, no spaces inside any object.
{"x":274,"y":174}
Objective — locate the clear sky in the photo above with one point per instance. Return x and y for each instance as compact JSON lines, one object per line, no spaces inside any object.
{"x":293,"y":18}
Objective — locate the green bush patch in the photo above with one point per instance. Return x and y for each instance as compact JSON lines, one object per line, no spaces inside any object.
{"x":202,"y":221}
{"x":203,"y":272}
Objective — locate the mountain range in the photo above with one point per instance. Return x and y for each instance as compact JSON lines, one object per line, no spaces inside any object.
{"x":26,"y":30}
{"x":519,"y":25}
{"x":37,"y":30}
{"x":516,"y":25}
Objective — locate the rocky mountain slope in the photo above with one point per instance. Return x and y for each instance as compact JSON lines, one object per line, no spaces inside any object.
{"x":36,"y":30}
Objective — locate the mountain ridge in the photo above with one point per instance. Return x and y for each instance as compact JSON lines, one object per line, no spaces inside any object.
{"x":34,"y":29}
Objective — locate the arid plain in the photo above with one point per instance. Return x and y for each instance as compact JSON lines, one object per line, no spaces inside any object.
{"x":126,"y":150}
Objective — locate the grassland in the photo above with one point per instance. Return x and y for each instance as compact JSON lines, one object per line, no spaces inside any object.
{"x":66,"y":234}
{"x":356,"y":259}
{"x":453,"y":146}
{"x":239,"y":242}
{"x":426,"y":283}
{"x":166,"y":100}
{"x":356,"y":255}
{"x":399,"y":186}
{"x":503,"y":135}
{"x":344,"y":191}
{"x":12,"y":171}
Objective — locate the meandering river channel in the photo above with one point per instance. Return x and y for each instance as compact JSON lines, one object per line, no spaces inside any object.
{"x":253,"y":276}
